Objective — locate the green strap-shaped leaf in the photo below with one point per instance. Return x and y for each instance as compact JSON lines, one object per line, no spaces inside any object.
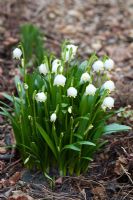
{"x":112,"y":128}
{"x":87,"y":158}
{"x":7,"y":96}
{"x":86,"y":143}
{"x":72,"y":147}
{"x":47,"y":139}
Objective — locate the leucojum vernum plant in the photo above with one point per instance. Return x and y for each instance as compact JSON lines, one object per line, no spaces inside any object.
{"x":61,"y":109}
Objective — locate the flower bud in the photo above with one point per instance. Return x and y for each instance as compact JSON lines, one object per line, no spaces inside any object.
{"x":109,"y":85}
{"x":19,"y":87}
{"x":55,"y":64}
{"x":41,"y":97}
{"x":25,"y":86}
{"x":70,"y":109}
{"x":17,"y":53}
{"x":43,"y":69}
{"x":60,"y":80}
{"x":72,"y":92}
{"x":90,"y":90}
{"x":53,"y":117}
{"x":98,"y":66}
{"x":22,"y":62}
{"x":29,"y":117}
{"x":85,"y":78}
{"x":108,"y":103}
{"x":70,"y":52}
{"x":109,"y":64}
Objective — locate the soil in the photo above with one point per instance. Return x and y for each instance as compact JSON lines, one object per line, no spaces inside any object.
{"x":94,"y":25}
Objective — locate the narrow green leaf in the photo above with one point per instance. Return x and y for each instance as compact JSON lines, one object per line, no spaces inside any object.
{"x":7,"y":96}
{"x":87,"y":158}
{"x":72,"y":147}
{"x":86,"y":143}
{"x":47,"y":139}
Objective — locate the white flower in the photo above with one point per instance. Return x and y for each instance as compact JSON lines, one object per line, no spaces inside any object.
{"x":109,"y":85}
{"x":60,"y":80}
{"x":70,"y":109}
{"x":72,"y":92}
{"x":98,"y":66}
{"x":17,"y":53}
{"x":41,"y":97}
{"x":90,"y":90}
{"x":43,"y":69}
{"x":108,"y":103}
{"x":70,"y":52}
{"x":55,"y":64}
{"x":109,"y":64}
{"x":53,"y":117}
{"x":85,"y":77}
{"x":25,"y":86}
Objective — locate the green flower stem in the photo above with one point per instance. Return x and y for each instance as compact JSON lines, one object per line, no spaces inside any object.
{"x":46,"y":117}
{"x":34,"y":113}
{"x":71,"y":133}
{"x":55,"y":135}
{"x":24,"y":64}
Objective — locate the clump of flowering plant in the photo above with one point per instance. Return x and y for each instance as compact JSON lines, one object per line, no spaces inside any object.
{"x":61,"y":111}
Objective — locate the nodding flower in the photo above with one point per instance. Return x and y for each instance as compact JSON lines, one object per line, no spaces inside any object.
{"x":90,"y":90}
{"x":98,"y":66}
{"x":108,"y":102}
{"x":41,"y":97}
{"x":43,"y":69}
{"x":85,"y":77}
{"x":72,"y":92}
{"x":60,"y":80}
{"x":53,"y":117}
{"x":109,"y":64}
{"x":17,"y":53}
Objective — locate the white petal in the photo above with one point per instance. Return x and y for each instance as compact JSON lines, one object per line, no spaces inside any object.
{"x":109,"y":64}
{"x":60,"y":80}
{"x":98,"y":66}
{"x":17,"y":53}
{"x":72,"y":92}
{"x":90,"y":90}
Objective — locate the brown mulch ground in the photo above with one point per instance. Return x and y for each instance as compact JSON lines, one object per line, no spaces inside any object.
{"x":101,"y":26}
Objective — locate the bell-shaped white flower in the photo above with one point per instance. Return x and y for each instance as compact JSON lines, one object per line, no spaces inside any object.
{"x":70,"y":52}
{"x":53,"y":117}
{"x":109,"y":85}
{"x":41,"y":97}
{"x":85,"y":78}
{"x":72,"y":92}
{"x":17,"y":53}
{"x":108,"y":103}
{"x":98,"y":66}
{"x":60,"y":80}
{"x":43,"y":69}
{"x":55,"y":64}
{"x":90,"y":90}
{"x":109,"y":64}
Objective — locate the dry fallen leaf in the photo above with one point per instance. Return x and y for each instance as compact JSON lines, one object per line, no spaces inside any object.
{"x":13,"y":179}
{"x":58,"y":181}
{"x":3,"y":150}
{"x":99,"y":193}
{"x":121,"y":161}
{"x":19,"y":195}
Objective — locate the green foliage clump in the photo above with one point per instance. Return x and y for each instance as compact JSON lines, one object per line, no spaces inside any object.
{"x":61,"y":111}
{"x":33,"y":44}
